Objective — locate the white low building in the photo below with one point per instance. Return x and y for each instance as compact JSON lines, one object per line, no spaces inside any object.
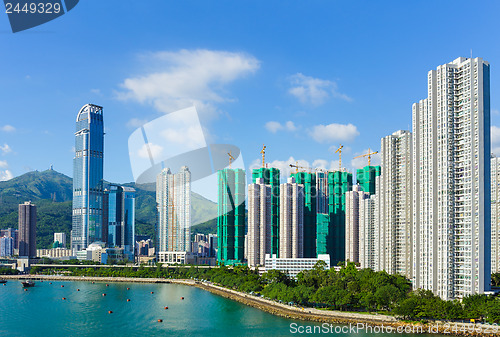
{"x":293,"y":266}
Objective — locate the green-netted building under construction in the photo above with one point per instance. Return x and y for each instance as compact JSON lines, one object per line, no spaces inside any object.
{"x":231,"y":216}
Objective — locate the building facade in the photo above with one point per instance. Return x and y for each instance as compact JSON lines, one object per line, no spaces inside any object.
{"x":119,"y":218}
{"x":27,"y":229}
{"x":495,"y":214}
{"x":60,"y":240}
{"x":309,"y":183}
{"x":259,"y":234}
{"x":293,"y":266}
{"x":339,"y":182}
{"x":88,"y":177}
{"x":367,"y":251}
{"x":291,"y":229}
{"x":394,"y":207}
{"x":6,"y":246}
{"x":451,"y":181}
{"x":173,"y":197}
{"x":353,"y":199}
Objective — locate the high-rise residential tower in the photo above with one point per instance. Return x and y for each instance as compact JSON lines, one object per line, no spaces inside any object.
{"x":173,"y":198}
{"x":495,"y":214}
{"x":27,"y":229}
{"x":393,"y":227}
{"x":88,"y":177}
{"x":291,"y":220}
{"x":271,"y":177}
{"x":231,"y":216}
{"x":259,"y":222}
{"x":353,"y":199}
{"x":451,"y":181}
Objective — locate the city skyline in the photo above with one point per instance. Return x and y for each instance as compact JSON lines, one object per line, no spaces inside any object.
{"x":274,"y":93}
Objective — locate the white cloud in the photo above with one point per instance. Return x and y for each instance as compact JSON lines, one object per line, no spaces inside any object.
{"x":188,"y":77}
{"x":8,"y":128}
{"x":5,"y":148}
{"x":495,"y":112}
{"x":274,"y":127}
{"x":96,"y":91}
{"x":6,"y":175}
{"x":150,"y":148}
{"x":334,"y":132}
{"x":190,"y":136}
{"x":314,"y":90}
{"x":3,"y":164}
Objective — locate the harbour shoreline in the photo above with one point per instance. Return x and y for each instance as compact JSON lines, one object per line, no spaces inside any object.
{"x":288,"y":311}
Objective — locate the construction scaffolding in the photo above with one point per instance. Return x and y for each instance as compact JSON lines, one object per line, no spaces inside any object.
{"x":231,"y":216}
{"x":366,"y":176}
{"x":309,"y":181}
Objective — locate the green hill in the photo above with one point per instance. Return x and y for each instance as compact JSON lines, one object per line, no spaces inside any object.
{"x":51,"y":191}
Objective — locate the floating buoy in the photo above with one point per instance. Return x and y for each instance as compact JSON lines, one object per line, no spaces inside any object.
{"x":50,"y":282}
{"x":92,"y":282}
{"x":160,"y":320}
{"x":25,"y":289}
{"x":77,"y":289}
{"x":64,"y":298}
{"x":128,"y":299}
{"x":166,"y":308}
{"x":110,"y":312}
{"x":128,"y":288}
{"x":182,"y":298}
{"x":103,"y":294}
{"x":152,"y":292}
{"x":62,"y":285}
{"x":107,"y":285}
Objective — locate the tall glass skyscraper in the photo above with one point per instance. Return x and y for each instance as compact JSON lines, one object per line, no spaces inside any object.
{"x":88,"y":177}
{"x":119,"y":218}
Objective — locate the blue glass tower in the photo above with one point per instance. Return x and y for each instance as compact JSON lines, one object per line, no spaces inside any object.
{"x":119,"y":218}
{"x":88,"y":178}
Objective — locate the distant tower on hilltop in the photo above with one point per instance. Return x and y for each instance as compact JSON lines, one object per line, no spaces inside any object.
{"x":88,"y":178}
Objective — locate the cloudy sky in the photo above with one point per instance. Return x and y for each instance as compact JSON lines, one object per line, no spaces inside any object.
{"x":301,"y":77}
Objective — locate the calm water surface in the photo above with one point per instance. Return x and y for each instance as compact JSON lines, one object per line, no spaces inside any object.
{"x":41,"y":311}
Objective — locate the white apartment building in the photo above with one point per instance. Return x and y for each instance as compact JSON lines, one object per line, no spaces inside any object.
{"x":495,"y":214}
{"x":258,"y":238}
{"x":394,"y":225}
{"x":367,"y":232}
{"x":451,"y":181}
{"x":173,"y":197}
{"x":352,"y":201}
{"x":291,"y":231}
{"x":293,"y":266}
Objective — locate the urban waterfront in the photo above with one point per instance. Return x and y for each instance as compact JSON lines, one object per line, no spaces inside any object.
{"x":86,"y":312}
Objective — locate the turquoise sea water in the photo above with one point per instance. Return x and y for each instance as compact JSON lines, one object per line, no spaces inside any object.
{"x":41,"y":311}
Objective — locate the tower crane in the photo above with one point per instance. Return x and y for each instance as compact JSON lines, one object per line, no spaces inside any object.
{"x":369,"y":155}
{"x":263,"y":152}
{"x":231,"y":158}
{"x":339,"y":151}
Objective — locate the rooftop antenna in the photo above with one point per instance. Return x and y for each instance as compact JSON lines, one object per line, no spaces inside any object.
{"x":263,"y":152}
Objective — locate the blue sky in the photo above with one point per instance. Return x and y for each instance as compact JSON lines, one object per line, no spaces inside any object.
{"x":299,"y":76}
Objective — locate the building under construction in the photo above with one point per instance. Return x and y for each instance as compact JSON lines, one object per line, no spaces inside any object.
{"x":366,"y":176}
{"x":339,"y":182}
{"x":309,"y":181}
{"x":231,"y":216}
